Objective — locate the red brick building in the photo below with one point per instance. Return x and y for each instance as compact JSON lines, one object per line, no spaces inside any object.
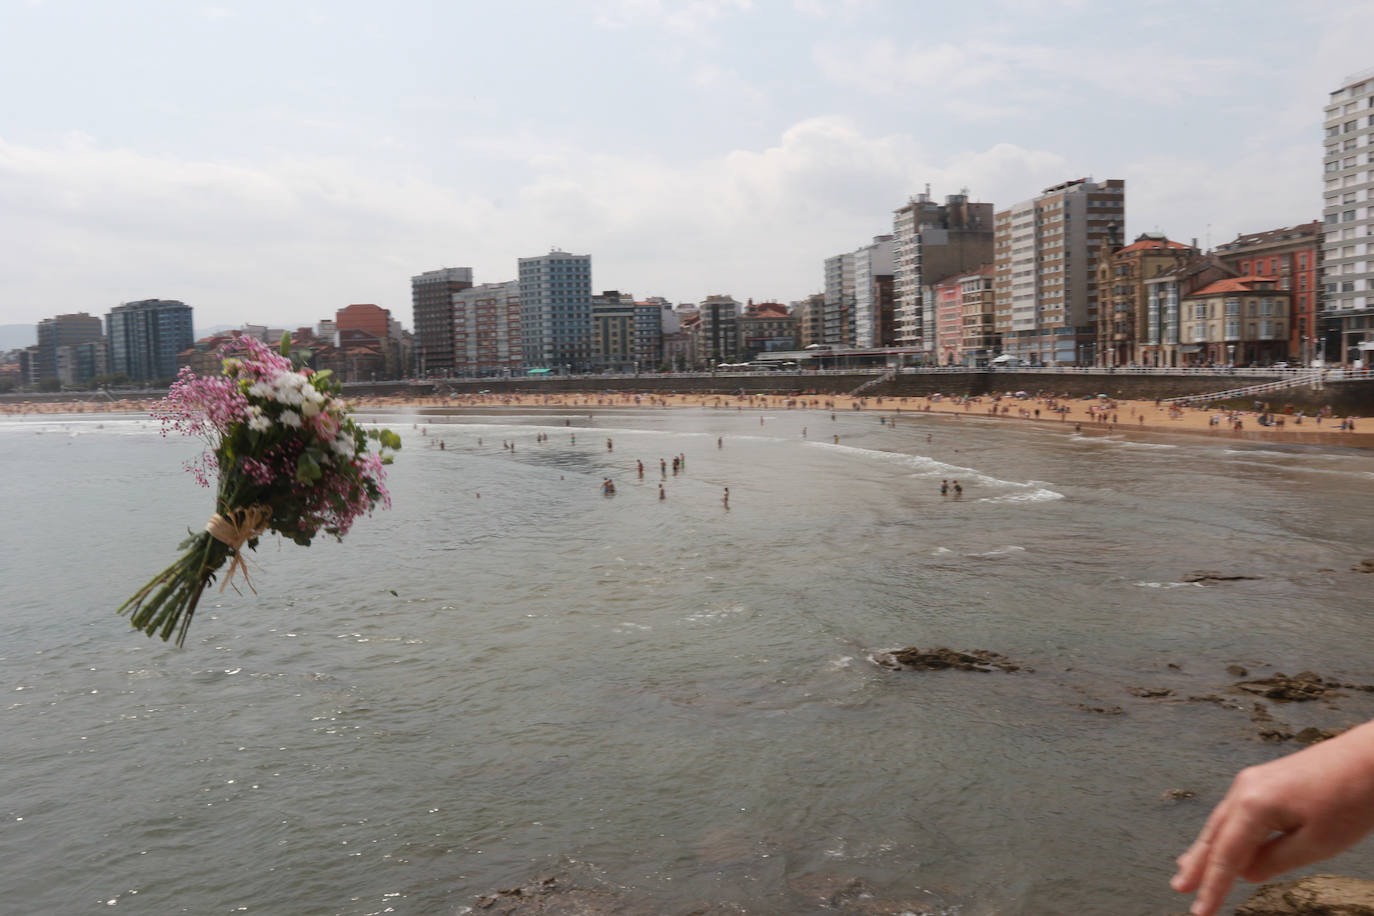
{"x":370,"y":319}
{"x":1293,"y":256}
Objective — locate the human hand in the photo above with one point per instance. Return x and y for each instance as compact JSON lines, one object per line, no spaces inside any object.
{"x":1282,"y":815}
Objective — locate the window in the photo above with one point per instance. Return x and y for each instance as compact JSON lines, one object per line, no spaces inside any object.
{"x":1233,"y":329}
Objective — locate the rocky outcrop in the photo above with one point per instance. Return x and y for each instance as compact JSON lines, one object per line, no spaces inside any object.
{"x":1364,"y":566}
{"x":1305,"y":685}
{"x":1212,"y":577}
{"x":1318,"y":895}
{"x":914,"y":659}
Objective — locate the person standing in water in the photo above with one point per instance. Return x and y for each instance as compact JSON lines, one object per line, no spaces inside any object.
{"x":725,"y":500}
{"x":661,"y":493}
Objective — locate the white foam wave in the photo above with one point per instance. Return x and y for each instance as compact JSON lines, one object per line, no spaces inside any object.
{"x":1036,"y":495}
{"x":1164,"y":584}
{"x":998,"y":552}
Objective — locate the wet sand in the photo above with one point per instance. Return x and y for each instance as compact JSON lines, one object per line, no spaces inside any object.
{"x":1095,"y":416}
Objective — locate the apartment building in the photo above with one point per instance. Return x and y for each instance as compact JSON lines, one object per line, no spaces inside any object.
{"x":980,"y":341}
{"x":58,"y":339}
{"x":431,"y":297}
{"x":486,"y":329}
{"x":1162,"y":345}
{"x":556,"y":311}
{"x":1240,"y":321}
{"x":146,"y":336}
{"x":717,"y":331}
{"x":613,"y":332}
{"x":1046,"y":254}
{"x":1348,"y":222}
{"x":837,"y":313}
{"x":932,"y":241}
{"x":1122,"y":314}
{"x":1292,"y":255}
{"x":872,"y":263}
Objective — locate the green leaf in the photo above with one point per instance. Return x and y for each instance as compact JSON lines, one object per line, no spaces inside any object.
{"x":307,"y":468}
{"x":286,"y":344}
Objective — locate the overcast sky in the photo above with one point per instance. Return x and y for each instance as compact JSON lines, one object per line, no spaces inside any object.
{"x":271,"y":162}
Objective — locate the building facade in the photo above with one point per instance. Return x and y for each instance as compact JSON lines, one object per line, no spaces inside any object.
{"x":1162,"y":345}
{"x":717,"y":330}
{"x":486,"y":330}
{"x":613,"y":332}
{"x":653,"y":316}
{"x":1122,"y":313}
{"x":980,"y":341}
{"x":810,"y":314}
{"x":948,"y":295}
{"x":1348,"y":223}
{"x":837,"y":315}
{"x":930,"y":242}
{"x":766,"y":327}
{"x":556,"y":311}
{"x":65,"y":331}
{"x":431,"y":296}
{"x":1293,"y":256}
{"x":872,"y":263}
{"x":1046,"y":261}
{"x":146,"y":336}
{"x":1241,"y":321}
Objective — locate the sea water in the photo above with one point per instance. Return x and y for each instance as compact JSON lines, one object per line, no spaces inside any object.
{"x":667,"y":704}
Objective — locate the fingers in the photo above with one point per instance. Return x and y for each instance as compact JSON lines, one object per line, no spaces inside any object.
{"x":1194,"y":859}
{"x":1233,"y":848}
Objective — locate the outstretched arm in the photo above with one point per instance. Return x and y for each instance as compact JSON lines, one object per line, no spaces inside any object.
{"x":1283,"y":815}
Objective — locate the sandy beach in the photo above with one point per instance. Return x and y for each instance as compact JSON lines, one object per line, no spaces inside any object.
{"x":1088,"y":416}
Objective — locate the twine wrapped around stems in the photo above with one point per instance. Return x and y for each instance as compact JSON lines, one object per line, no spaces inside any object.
{"x":234,"y":528}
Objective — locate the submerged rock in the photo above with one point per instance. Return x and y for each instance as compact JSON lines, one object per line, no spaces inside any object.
{"x":1212,"y":577}
{"x":1305,"y":685}
{"x":1364,"y":566}
{"x":914,"y":659}
{"x":1317,"y":895}
{"x":1311,"y":735}
{"x":1150,"y":693}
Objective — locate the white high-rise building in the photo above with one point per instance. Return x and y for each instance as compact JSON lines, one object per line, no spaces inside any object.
{"x":556,"y":311}
{"x":1348,"y":221}
{"x":870,"y":262}
{"x":837,"y":316}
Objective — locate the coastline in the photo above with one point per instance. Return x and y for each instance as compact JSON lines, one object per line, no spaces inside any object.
{"x":1098,"y":416}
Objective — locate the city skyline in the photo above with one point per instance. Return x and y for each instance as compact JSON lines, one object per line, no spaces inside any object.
{"x":274,"y":165}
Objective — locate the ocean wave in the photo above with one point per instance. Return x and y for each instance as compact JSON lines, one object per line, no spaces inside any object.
{"x":999,"y":552}
{"x":1036,"y":495}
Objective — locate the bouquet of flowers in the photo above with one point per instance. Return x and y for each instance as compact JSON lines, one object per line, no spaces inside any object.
{"x":285,"y":456}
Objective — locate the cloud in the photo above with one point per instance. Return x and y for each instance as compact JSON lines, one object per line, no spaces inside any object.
{"x":292,"y":240}
{"x":683,"y":17}
{"x":1003,"y":78}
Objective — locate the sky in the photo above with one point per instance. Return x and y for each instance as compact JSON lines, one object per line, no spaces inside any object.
{"x":272,"y":162}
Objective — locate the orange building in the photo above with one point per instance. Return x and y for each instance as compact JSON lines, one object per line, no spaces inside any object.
{"x":370,"y":319}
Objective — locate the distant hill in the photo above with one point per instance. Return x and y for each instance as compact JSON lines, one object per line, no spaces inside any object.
{"x":18,"y":336}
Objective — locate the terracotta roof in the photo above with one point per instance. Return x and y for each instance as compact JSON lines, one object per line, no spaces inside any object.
{"x":1153,"y":245}
{"x":1237,"y":285}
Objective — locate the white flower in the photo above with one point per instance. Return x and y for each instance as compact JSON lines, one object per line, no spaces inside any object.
{"x":260,"y":423}
{"x":261,"y":390}
{"x":343,"y":447}
{"x":290,"y":418}
{"x":309,"y":408}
